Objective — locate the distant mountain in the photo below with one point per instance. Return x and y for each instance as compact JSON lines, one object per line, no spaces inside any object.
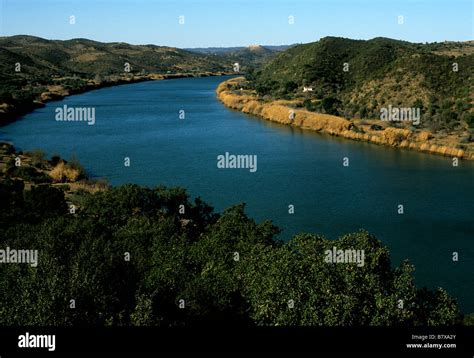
{"x":249,"y":57}
{"x":355,"y":78}
{"x":225,"y":50}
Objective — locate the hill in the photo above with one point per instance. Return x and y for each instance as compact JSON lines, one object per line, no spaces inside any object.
{"x":226,"y":50}
{"x":356,"y":78}
{"x":87,"y":57}
{"x":250,"y":57}
{"x":33,"y":69}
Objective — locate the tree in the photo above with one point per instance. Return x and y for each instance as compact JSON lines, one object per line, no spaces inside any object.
{"x":330,"y":105}
{"x":131,"y":256}
{"x":339,"y":294}
{"x":289,"y":87}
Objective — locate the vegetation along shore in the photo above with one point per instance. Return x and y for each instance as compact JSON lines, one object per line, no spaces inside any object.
{"x":35,"y":70}
{"x":223,"y":267}
{"x":383,"y":91}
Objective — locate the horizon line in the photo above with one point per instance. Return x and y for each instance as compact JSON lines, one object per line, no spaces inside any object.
{"x":230,"y":46}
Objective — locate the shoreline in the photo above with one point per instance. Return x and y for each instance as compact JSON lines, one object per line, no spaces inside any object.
{"x":279,"y":111}
{"x":9,"y":114}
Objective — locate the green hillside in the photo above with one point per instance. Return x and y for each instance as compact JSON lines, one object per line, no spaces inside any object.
{"x":379,"y":72}
{"x":249,"y":58}
{"x":87,"y":58}
{"x":78,"y":64}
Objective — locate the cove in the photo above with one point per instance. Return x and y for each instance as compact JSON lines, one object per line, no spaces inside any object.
{"x":295,"y":167}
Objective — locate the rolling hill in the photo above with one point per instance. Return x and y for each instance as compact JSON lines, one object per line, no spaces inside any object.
{"x":33,"y":69}
{"x":249,"y":58}
{"x":355,"y":78}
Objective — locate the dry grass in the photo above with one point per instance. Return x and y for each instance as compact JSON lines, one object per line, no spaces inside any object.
{"x":63,"y":173}
{"x":278,"y":111}
{"x":88,"y":186}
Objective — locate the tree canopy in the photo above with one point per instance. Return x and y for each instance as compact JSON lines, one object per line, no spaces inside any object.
{"x":139,"y":256}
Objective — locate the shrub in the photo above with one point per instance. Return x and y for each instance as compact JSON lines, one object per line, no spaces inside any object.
{"x":37,"y":157}
{"x":62,"y":173}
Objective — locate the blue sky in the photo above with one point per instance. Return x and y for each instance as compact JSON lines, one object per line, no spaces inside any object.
{"x":237,"y":22}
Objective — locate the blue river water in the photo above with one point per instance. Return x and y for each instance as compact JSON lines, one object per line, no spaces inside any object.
{"x":142,"y":121}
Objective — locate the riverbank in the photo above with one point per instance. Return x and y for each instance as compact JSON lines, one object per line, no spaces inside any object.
{"x":166,"y":150}
{"x":232,"y":94}
{"x":33,"y":170}
{"x":10,"y":112}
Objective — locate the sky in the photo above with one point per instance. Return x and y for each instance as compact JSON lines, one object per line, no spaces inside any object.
{"x":224,"y":23}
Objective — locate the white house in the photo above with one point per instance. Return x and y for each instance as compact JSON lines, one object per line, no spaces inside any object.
{"x":307,"y":89}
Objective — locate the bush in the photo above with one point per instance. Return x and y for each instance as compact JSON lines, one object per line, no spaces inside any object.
{"x":190,"y":255}
{"x":309,"y":105}
{"x":37,"y":157}
{"x":55,"y":159}
{"x":76,"y":165}
{"x":469,"y":119}
{"x":290,"y":87}
{"x":29,"y":174}
{"x":63,"y":173}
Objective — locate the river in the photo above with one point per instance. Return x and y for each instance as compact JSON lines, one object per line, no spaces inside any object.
{"x":142,"y":121}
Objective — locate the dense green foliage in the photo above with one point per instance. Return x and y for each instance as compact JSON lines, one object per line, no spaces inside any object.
{"x":190,"y":256}
{"x":378,"y":73}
